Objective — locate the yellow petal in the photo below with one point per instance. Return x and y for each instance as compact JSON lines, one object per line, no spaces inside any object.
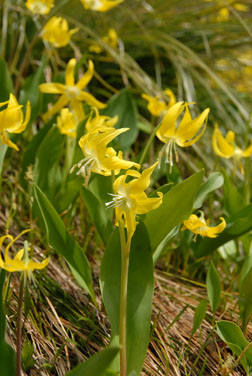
{"x":89,"y":99}
{"x":212,"y":232}
{"x":52,"y":88}
{"x":186,"y":133}
{"x":32,"y":265}
{"x":168,"y":124}
{"x":70,"y":72}
{"x":78,"y":110}
{"x":142,"y":183}
{"x":221,"y":145}
{"x":87,"y":76}
{"x":56,"y":107}
{"x":247,"y":152}
{"x":6,"y":141}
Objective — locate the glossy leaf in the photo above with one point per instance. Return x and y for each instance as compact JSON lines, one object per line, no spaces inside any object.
{"x":176,"y":207}
{"x":7,"y":354}
{"x":140,"y":293}
{"x":214,"y":181}
{"x":232,"y":335}
{"x":199,"y":315}
{"x":6,"y":86}
{"x":238,"y":224}
{"x":63,"y":243}
{"x":97,"y":365}
{"x":124,"y":106}
{"x":213,"y":284}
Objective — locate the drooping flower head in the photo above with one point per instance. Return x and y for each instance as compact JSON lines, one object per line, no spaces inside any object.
{"x":39,"y":6}
{"x":225,"y":147}
{"x":199,"y":226}
{"x":12,"y":120}
{"x":98,"y":157}
{"x":21,"y":261}
{"x":182,"y":133}
{"x":67,"y":123}
{"x":100,"y":5}
{"x":158,"y":105}
{"x":130,"y":199}
{"x":71,"y":92}
{"x":56,"y":32}
{"x":111,"y":39}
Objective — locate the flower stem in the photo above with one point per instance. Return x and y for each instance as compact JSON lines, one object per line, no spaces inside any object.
{"x":125,"y":252}
{"x":19,"y":326}
{"x":147,"y":146}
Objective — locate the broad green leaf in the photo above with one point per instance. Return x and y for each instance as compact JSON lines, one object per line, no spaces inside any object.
{"x":213,"y":287}
{"x":30,"y":90}
{"x":46,"y":170}
{"x":6,"y":86}
{"x":245,"y":299}
{"x":124,"y":106}
{"x":161,"y":247}
{"x":97,"y":365}
{"x":199,"y":315}
{"x":238,"y":224}
{"x":63,"y":243}
{"x":101,"y":187}
{"x":176,"y":207}
{"x":214,"y":181}
{"x":98,"y":213}
{"x":228,"y":250}
{"x":233,"y":200}
{"x":232,"y":335}
{"x":247,"y":265}
{"x":7,"y":354}
{"x":140,"y":293}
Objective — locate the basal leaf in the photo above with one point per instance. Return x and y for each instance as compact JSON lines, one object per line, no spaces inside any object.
{"x":176,"y":207}
{"x":214,"y":181}
{"x":199,"y":315}
{"x":213,"y":287}
{"x":233,"y":200}
{"x":63,"y":243}
{"x":140,"y":293}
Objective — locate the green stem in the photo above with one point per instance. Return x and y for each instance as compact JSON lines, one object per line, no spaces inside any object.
{"x":4,"y":28}
{"x":19,"y":327}
{"x":247,"y":175}
{"x":147,"y":146}
{"x":125,"y":252}
{"x":70,"y":142}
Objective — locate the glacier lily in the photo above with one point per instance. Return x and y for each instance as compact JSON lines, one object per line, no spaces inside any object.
{"x":96,"y":121}
{"x":100,"y":5}
{"x":129,"y":198}
{"x":98,"y":157}
{"x":157,"y":105}
{"x":12,"y":120}
{"x":39,"y":6}
{"x":184,"y":134}
{"x":67,"y":123}
{"x":199,"y":226}
{"x":71,"y":92}
{"x":56,"y":32}
{"x":225,"y":147}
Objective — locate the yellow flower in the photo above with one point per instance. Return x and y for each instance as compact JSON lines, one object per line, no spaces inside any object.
{"x":98,"y":157}
{"x":39,"y":6}
{"x":199,"y":226}
{"x":12,"y":120}
{"x":67,"y":123}
{"x":99,"y":121}
{"x":225,"y":147}
{"x":100,"y":5}
{"x":185,"y":134}
{"x":21,"y":262}
{"x":71,"y":92}
{"x":56,"y":32}
{"x":111,"y":39}
{"x":129,"y":199}
{"x":157,"y":105}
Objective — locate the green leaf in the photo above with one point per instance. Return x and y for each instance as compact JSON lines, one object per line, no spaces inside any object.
{"x":3,"y":150}
{"x":27,"y":359}
{"x":213,"y":284}
{"x":238,"y":224}
{"x":233,"y":200}
{"x":30,"y":90}
{"x":232,"y":335}
{"x":46,"y":170}
{"x":245,"y":291}
{"x":7,"y":354}
{"x":124,"y":106}
{"x":199,"y":315}
{"x":97,"y":365}
{"x":214,"y":181}
{"x":98,"y":213}
{"x":6,"y":86}
{"x":63,"y":243}
{"x":176,"y":207}
{"x":161,"y":247}
{"x":140,"y":293}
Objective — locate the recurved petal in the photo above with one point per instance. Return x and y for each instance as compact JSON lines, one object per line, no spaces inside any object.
{"x":32,"y":265}
{"x":221,"y":146}
{"x":107,"y":5}
{"x":78,"y":110}
{"x":212,"y":232}
{"x":70,"y":72}
{"x":6,"y":141}
{"x":89,"y":99}
{"x":168,"y":124}
{"x":52,"y":88}
{"x":247,"y":152}
{"x":63,"y":100}
{"x":172,"y":97}
{"x":144,"y":205}
{"x":87,"y":76}
{"x":141,"y":184}
{"x":193,"y":222}
{"x":188,"y":129}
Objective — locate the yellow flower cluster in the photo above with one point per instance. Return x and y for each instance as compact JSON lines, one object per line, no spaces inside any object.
{"x":56,"y":32}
